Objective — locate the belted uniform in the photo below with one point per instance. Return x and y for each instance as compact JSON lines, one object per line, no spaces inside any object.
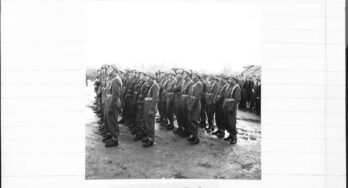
{"x":230,"y":107}
{"x":194,"y":107}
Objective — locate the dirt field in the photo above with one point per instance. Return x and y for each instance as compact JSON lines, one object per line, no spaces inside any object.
{"x":172,"y":156}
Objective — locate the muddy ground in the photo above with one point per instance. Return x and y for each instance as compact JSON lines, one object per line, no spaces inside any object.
{"x":172,"y":156}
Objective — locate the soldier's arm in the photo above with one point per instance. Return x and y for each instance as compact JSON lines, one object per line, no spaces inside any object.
{"x":236,"y":93}
{"x":155,"y":93}
{"x":214,"y":91}
{"x":198,"y":92}
{"x":116,"y":90}
{"x":177,"y":87}
{"x":141,"y":96}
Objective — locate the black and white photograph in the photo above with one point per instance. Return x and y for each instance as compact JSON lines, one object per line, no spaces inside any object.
{"x":173,"y":95}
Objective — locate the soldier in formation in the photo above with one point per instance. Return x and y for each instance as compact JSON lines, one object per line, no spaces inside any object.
{"x":190,"y":99}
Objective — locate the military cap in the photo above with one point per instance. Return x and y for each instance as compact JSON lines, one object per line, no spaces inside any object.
{"x":222,"y":76}
{"x":114,"y":67}
{"x":104,"y":66}
{"x":204,"y":75}
{"x":171,"y":72}
{"x":212,"y":76}
{"x":196,"y":73}
{"x":230,"y":76}
{"x":151,"y":74}
{"x":176,"y":69}
{"x":126,"y":70}
{"x":233,"y":76}
{"x":187,"y":71}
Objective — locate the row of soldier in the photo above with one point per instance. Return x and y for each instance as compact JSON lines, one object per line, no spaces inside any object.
{"x":180,"y":95}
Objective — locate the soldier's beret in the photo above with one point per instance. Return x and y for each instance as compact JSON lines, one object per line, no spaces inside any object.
{"x":151,"y":74}
{"x":204,"y":75}
{"x":126,"y":70}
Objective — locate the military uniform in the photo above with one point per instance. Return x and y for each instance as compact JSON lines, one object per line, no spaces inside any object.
{"x":163,"y":102}
{"x":230,"y":107}
{"x":113,"y":107}
{"x":219,"y":118}
{"x":140,"y":119}
{"x":134,"y":105}
{"x":203,"y":113}
{"x":211,"y":95}
{"x":194,"y":109}
{"x":150,"y":110}
{"x":183,"y":109}
{"x":177,"y":94}
{"x":170,"y":103}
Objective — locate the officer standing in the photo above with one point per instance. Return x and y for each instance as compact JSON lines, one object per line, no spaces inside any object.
{"x":161,"y":82}
{"x":150,"y":109}
{"x":203,"y":113}
{"x":194,"y":108}
{"x":123,"y":93}
{"x":134,"y":104}
{"x":183,"y":106}
{"x":230,"y":107}
{"x":163,"y":99}
{"x":140,"y":118}
{"x":113,"y":105}
{"x":211,"y":93}
{"x":170,"y":100}
{"x":218,"y":100}
{"x":177,"y":95}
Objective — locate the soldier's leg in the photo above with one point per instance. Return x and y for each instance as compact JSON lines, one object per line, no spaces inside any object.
{"x":170,"y":113}
{"x":112,"y":122}
{"x":185,"y":120}
{"x":123,"y":101}
{"x":149,"y":123}
{"x":133,"y":115}
{"x":219,"y":120}
{"x":159,"y":106}
{"x":104,"y":128}
{"x":140,"y":125}
{"x":193,"y":118}
{"x":179,"y":116}
{"x":231,"y":122}
{"x":164,"y":109}
{"x":203,"y":114}
{"x":210,"y":115}
{"x":125,"y":109}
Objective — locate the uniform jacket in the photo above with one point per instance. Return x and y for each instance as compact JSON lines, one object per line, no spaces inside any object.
{"x":212,"y":88}
{"x":153,"y":93}
{"x":115,"y":91}
{"x":195,"y":94}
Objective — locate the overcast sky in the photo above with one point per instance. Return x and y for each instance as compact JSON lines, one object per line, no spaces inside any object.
{"x":208,"y":37}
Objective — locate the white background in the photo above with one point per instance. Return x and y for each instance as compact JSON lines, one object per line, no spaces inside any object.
{"x":207,"y":37}
{"x":43,"y":61}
